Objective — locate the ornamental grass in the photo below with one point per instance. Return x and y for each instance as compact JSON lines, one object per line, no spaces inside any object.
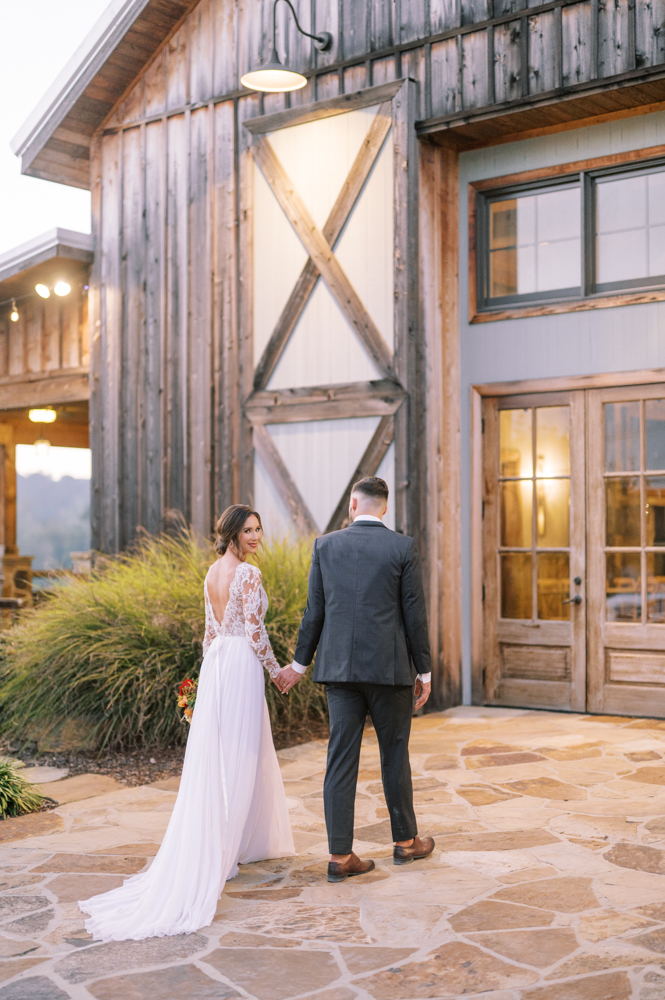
{"x":99,"y":662}
{"x":17,"y":794}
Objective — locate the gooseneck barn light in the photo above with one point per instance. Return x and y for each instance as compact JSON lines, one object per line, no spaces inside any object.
{"x":273,"y":77}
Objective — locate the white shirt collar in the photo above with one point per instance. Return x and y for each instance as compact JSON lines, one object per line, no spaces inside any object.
{"x":367,"y":517}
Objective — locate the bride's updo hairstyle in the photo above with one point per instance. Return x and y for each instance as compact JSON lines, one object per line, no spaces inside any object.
{"x":230,"y":525}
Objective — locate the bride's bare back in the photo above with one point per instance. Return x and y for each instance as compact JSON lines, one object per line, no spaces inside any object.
{"x":220,"y":577}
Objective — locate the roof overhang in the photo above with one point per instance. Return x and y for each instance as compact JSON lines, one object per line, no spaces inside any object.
{"x":57,"y":253}
{"x":54,"y":142}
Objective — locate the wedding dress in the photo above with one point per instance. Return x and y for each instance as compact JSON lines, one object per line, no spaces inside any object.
{"x":231,"y":806}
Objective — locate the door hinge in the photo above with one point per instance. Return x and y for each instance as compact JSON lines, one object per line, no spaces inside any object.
{"x":482,"y":425}
{"x":483,"y":592}
{"x":483,"y":509}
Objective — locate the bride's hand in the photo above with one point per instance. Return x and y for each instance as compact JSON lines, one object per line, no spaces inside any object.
{"x":286,"y":678}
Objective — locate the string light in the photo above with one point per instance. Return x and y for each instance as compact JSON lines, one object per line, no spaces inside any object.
{"x":14,"y":313}
{"x":62,"y":288}
{"x":43,"y":291}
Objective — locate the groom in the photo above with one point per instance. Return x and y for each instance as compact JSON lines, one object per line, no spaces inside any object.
{"x":366,"y":614}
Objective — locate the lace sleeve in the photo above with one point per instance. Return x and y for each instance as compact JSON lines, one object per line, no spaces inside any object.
{"x":255,"y":630}
{"x":210,"y":632}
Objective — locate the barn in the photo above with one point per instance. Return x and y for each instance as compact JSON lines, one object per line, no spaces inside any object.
{"x":430,"y":245}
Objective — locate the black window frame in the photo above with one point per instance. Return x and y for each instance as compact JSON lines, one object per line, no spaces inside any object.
{"x":588,"y":289}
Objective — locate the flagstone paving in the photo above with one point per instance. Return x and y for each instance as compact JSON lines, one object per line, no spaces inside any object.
{"x":547,"y":883}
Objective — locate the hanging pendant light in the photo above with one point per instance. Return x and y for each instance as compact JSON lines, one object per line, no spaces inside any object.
{"x":273,"y":77}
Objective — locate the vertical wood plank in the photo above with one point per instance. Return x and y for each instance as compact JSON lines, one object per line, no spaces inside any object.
{"x":326,"y":18}
{"x":477,"y":609}
{"x":544,"y":53}
{"x":383,"y":71}
{"x":155,"y":85}
{"x":94,"y":325}
{"x":224,"y":20}
{"x":355,"y":28}
{"x":227,"y":415}
{"x":444,"y":15}
{"x":327,"y":86}
{"x":5,"y":323}
{"x":355,"y":78}
{"x":490,"y":521}
{"x":415,"y":67}
{"x":201,"y":52}
{"x":199,"y":334}
{"x":650,"y":33}
{"x":16,"y":359}
{"x":446,"y":97}
{"x":381,"y":26}
{"x":613,"y":41}
{"x":595,"y":570}
{"x":132,"y":333}
{"x":578,"y":548}
{"x":507,"y":61}
{"x":70,"y":319}
{"x":473,"y":11}
{"x":577,"y":43}
{"x":152,"y":438}
{"x":33,"y":336}
{"x":84,"y":329}
{"x":51,"y":321}
{"x":413,"y":20}
{"x":474,"y":69}
{"x":177,"y":91}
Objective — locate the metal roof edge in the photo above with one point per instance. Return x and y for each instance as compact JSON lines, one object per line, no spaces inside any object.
{"x":42,"y":248}
{"x":74,"y":78}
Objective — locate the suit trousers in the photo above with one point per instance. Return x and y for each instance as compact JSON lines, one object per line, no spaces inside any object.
{"x":390,"y":708}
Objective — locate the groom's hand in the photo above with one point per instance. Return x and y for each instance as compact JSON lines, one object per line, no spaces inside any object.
{"x":287,"y":678}
{"x":422,"y":693}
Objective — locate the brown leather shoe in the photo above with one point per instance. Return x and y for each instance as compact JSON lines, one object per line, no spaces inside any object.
{"x":338,"y":871}
{"x":420,"y":848}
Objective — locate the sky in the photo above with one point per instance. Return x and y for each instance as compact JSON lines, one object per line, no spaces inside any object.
{"x":38,"y":39}
{"x":53,"y":462}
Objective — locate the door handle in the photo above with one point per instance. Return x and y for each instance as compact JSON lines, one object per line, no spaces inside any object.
{"x":573,"y":600}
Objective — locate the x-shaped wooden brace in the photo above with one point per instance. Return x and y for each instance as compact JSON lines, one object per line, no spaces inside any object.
{"x":319,"y":245}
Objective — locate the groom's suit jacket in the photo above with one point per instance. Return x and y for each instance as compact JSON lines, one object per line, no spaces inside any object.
{"x":365,"y":608}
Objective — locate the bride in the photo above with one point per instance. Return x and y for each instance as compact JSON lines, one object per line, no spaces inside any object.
{"x":231,"y":807}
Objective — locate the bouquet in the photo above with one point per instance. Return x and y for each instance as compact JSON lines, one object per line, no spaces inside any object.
{"x":186,"y":698}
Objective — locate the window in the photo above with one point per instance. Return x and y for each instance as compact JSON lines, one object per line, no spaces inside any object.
{"x":577,"y":237}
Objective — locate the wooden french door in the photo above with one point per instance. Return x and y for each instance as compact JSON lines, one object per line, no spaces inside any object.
{"x":574,"y":550}
{"x":534,"y":551}
{"x":626,"y":550}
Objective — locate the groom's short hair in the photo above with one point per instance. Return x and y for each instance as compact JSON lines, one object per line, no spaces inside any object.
{"x":373,"y":488}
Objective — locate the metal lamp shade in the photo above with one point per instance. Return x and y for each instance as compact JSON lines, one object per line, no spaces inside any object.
{"x":273,"y":77}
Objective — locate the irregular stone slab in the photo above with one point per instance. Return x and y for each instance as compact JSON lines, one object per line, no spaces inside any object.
{"x":656,"y":825}
{"x":590,"y":845}
{"x":44,"y":775}
{"x":32,"y":825}
{"x":637,"y":856}
{"x":97,"y":862}
{"x":39,"y":988}
{"x":648,"y":775}
{"x":176,"y":983}
{"x":624,"y":886}
{"x":270,"y":895}
{"x":429,"y":796}
{"x":399,"y":925}
{"x":653,"y":986}
{"x":275,"y":975}
{"x":32,"y":924}
{"x":145,"y":850}
{"x":654,"y":940}
{"x":527,"y":875}
{"x":656,"y":911}
{"x":538,"y":948}
{"x":15,"y":881}
{"x":11,"y":949}
{"x":14,"y":967}
{"x":71,"y":888}
{"x":581,"y":964}
{"x":504,"y":759}
{"x":547,"y":788}
{"x":483,"y":795}
{"x":339,"y":993}
{"x":455,"y":969}
{"x":83,"y":786}
{"x":119,"y":956}
{"x":238,"y":939}
{"x":488,"y":746}
{"x":580,"y":752}
{"x":441,"y":762}
{"x":366,"y":959}
{"x":508,"y":840}
{"x":642,"y":755}
{"x":375,"y":833}
{"x":489,"y":915}
{"x":329,"y":923}
{"x":171,"y":784}
{"x":567,"y":895}
{"x":11,"y":906}
{"x":609,"y":923}
{"x":614,"y":986}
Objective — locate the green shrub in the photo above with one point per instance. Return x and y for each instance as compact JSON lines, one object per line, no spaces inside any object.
{"x":104,"y":656}
{"x":17,"y":795}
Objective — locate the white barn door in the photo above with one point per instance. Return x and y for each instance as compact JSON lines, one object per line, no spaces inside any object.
{"x":328,"y":257}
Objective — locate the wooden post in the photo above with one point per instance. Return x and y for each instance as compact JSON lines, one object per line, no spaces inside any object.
{"x":442,"y":524}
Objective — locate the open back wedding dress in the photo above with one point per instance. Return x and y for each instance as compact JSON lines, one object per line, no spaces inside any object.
{"x":231,"y":806}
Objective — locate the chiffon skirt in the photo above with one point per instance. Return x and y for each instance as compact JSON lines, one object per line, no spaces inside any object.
{"x":231,"y":808}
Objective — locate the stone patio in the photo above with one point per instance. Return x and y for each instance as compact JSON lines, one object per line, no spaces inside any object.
{"x":548,"y":881}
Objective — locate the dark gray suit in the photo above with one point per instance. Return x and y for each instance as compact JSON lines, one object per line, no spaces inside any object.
{"x":366,"y":614}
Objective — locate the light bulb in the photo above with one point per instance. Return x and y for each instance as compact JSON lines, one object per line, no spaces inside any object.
{"x":14,"y":313}
{"x":43,"y":291}
{"x":62,"y":288}
{"x":42,"y":416}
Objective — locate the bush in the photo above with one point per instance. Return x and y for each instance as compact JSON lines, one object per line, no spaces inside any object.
{"x":17,"y":795}
{"x":107,"y":653}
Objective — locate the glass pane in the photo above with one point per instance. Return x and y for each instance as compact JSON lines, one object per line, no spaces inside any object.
{"x":535,"y":243}
{"x":622,"y":256}
{"x":553,"y":512}
{"x":655,"y":421}
{"x":516,"y":443}
{"x":656,"y":193}
{"x":656,"y":587}
{"x":553,"y":441}
{"x":515,"y":585}
{"x":656,"y":251}
{"x":623,"y":587}
{"x":622,"y":437}
{"x":622,"y":511}
{"x":553,"y":586}
{"x":621,"y":204}
{"x":516,"y":508}
{"x":655,"y":509}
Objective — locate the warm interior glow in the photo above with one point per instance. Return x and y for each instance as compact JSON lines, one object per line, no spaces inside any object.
{"x":14,"y":315}
{"x":42,"y":416}
{"x":62,"y":288}
{"x":43,"y":291}
{"x":273,"y":80}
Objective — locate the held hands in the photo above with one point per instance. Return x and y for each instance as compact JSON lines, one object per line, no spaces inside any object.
{"x":286,"y":679}
{"x":422,"y":693}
